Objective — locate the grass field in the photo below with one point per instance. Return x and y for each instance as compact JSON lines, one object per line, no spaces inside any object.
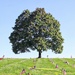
{"x":44,"y":66}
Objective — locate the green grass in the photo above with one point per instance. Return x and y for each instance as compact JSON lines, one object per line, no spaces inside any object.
{"x":44,"y":66}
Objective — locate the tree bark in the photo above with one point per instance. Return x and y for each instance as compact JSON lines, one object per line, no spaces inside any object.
{"x":39,"y":54}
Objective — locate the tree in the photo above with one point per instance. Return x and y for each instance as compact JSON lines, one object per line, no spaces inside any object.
{"x":36,"y":30}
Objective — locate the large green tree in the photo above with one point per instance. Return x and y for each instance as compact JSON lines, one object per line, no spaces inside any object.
{"x":36,"y":30}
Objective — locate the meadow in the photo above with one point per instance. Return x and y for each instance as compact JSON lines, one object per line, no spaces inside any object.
{"x":43,"y":66}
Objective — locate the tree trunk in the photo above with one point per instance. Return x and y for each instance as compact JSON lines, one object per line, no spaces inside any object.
{"x":39,"y":54}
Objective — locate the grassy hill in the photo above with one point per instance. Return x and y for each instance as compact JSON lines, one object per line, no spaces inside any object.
{"x":43,"y":66}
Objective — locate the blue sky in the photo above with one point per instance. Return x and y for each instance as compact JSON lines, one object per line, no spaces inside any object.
{"x":62,"y":10}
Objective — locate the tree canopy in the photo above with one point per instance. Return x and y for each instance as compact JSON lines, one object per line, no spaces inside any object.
{"x":36,"y":30}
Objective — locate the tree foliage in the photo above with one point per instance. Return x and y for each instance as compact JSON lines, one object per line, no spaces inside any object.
{"x":36,"y":30}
